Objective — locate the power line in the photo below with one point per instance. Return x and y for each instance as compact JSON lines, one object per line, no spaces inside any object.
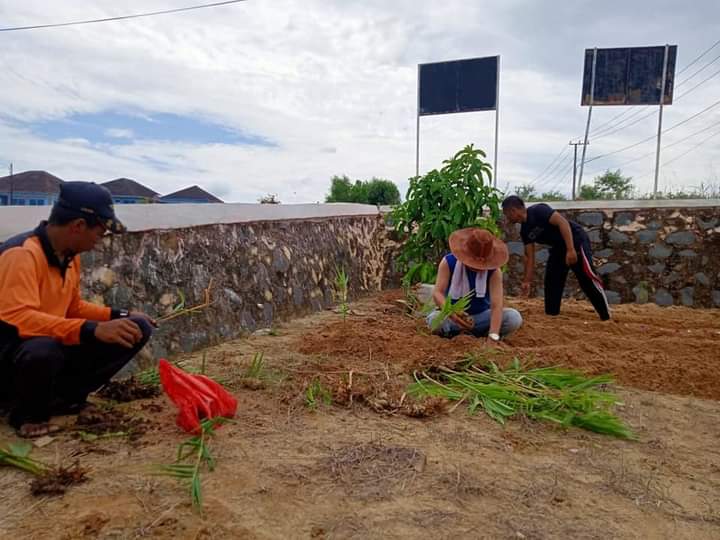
{"x":699,"y":57}
{"x":558,"y":166}
{"x":666,"y":146}
{"x":620,"y":128}
{"x":706,"y":139}
{"x":654,"y":136}
{"x":652,"y":112}
{"x":122,"y":17}
{"x":699,"y":84}
{"x":565,"y":148}
{"x":698,"y":71}
{"x":600,"y":127}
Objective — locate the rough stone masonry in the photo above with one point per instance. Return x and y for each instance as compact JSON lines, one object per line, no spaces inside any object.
{"x":669,"y":256}
{"x":260,"y":272}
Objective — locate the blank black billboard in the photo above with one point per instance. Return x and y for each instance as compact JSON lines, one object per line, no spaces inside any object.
{"x":458,"y":86}
{"x":629,"y":76}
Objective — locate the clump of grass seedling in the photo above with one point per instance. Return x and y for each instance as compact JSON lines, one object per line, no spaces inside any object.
{"x":48,"y":480}
{"x":193,"y":457}
{"x":151,"y":376}
{"x":17,"y":455}
{"x":450,"y":308}
{"x":256,"y":368}
{"x":254,"y":375}
{"x":316,"y":394}
{"x":553,"y":394}
{"x":341,"y":291}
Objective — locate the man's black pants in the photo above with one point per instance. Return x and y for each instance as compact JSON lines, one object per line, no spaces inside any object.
{"x":49,"y":376}
{"x":556,"y":272}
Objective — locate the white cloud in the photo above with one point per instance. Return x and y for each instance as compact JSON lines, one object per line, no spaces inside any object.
{"x":119,"y":133}
{"x":333,"y":84}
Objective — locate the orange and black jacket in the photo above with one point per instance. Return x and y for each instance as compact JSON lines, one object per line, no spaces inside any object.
{"x":40,"y":295}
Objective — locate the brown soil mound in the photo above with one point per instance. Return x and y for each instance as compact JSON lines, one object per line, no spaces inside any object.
{"x":97,"y":422}
{"x":128,"y":390}
{"x":669,"y":349}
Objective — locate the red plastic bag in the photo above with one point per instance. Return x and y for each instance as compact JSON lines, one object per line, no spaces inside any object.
{"x":196,"y":396}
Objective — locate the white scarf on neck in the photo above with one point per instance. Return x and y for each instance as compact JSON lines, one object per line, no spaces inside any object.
{"x":459,"y":285}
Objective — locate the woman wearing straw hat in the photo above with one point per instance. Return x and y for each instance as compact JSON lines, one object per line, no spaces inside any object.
{"x":473,"y":265}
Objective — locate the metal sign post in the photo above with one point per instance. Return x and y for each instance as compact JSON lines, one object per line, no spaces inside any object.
{"x":417,"y":127}
{"x":587,"y":127}
{"x":497,"y":122}
{"x":660,"y":114}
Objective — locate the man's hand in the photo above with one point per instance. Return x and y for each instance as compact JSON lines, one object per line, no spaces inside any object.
{"x":571,"y":257}
{"x":525,"y":287}
{"x":145,"y":316}
{"x":462,"y":322}
{"x":119,"y":332}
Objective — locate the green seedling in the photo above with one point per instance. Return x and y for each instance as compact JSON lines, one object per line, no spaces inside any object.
{"x":256,"y":369}
{"x":341,"y":291}
{"x":18,"y":455}
{"x":450,"y":308}
{"x":193,"y":456}
{"x":552,"y":394}
{"x":317,"y":394}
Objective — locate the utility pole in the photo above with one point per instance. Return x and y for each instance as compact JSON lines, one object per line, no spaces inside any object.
{"x":576,"y":144}
{"x":11,"y":185}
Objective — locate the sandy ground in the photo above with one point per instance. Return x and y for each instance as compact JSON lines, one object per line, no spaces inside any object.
{"x":349,"y":471}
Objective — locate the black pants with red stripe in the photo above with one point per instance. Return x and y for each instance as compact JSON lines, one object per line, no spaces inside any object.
{"x":556,"y":272}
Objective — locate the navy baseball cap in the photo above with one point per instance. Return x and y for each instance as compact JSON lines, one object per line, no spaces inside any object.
{"x":90,"y":200}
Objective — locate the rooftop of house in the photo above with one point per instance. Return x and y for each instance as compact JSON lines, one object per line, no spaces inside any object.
{"x":31,"y":181}
{"x":192,"y":192}
{"x":129,"y":188}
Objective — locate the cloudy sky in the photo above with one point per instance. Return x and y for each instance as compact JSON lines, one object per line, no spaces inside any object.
{"x":276,"y":96}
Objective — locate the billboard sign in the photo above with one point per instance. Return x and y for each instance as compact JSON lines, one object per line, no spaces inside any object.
{"x":629,"y":76}
{"x":458,"y":86}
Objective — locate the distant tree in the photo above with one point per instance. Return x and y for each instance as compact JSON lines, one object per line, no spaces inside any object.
{"x":341,"y":190}
{"x":269,"y":199}
{"x":610,"y":185}
{"x":376,"y":191}
{"x":382,"y":192}
{"x":526,"y":192}
{"x":553,"y":195}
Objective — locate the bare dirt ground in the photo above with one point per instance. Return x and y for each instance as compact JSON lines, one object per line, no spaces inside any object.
{"x":365,"y":468}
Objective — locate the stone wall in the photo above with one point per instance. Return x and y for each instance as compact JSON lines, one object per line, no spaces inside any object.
{"x":669,"y":255}
{"x":260,"y":272}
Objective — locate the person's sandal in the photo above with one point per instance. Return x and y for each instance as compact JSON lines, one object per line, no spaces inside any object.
{"x":37,"y":430}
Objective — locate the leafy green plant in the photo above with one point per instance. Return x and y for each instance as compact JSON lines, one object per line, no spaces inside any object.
{"x":341,"y":291}
{"x":316,"y":394}
{"x":450,"y":308}
{"x":551,"y":394}
{"x":458,"y":195}
{"x":17,"y":455}
{"x":193,"y":456}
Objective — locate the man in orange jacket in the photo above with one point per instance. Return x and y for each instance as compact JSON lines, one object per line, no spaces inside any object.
{"x":56,"y":348}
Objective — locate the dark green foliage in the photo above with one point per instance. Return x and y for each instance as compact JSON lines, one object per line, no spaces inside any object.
{"x":376,"y":191}
{"x":458,"y":195}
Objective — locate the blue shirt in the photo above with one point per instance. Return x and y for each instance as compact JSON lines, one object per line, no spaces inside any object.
{"x":477,"y":304}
